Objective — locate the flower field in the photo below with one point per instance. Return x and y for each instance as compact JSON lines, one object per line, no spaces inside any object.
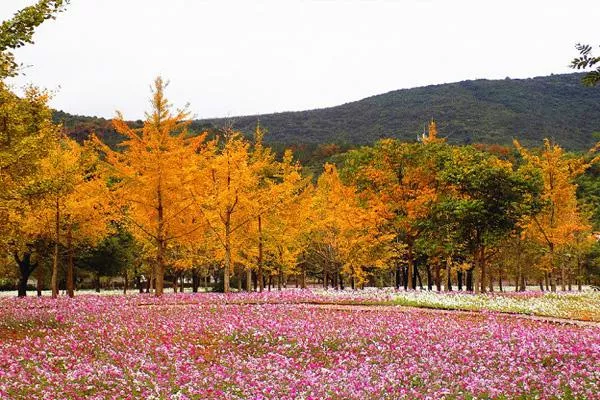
{"x":276,"y":346}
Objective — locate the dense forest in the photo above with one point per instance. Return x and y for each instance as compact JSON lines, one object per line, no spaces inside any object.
{"x":478,"y":111}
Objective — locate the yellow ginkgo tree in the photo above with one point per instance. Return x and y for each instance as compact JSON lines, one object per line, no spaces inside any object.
{"x":153,"y":174}
{"x":560,"y":222}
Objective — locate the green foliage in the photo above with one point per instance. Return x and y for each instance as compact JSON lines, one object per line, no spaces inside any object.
{"x":18,"y":31}
{"x":584,"y":61}
{"x":492,"y":197}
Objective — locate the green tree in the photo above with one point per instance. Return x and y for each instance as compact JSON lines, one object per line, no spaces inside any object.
{"x":587,"y":60}
{"x":491,"y":198}
{"x":18,"y":31}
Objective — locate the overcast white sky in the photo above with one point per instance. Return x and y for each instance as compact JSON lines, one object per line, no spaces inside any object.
{"x":230,"y":58}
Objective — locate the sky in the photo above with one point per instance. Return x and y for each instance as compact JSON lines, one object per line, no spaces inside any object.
{"x":227,"y":58}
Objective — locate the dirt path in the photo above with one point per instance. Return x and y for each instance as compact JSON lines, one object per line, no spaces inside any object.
{"x":390,"y":308}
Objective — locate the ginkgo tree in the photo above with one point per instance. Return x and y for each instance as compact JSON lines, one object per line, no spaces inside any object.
{"x":560,"y":221}
{"x":153,"y":176}
{"x":73,"y":206}
{"x":345,"y":231}
{"x":26,"y":134}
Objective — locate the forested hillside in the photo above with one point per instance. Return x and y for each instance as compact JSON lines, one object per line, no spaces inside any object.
{"x":487,"y":111}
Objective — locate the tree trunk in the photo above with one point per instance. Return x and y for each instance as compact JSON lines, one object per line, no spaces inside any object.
{"x":54,"y":280}
{"x":470,"y":279}
{"x":580,"y":274}
{"x":125,"y":282}
{"x":70,"y":267}
{"x":563,"y":277}
{"x":279,"y":277}
{"x":26,"y":267}
{"x":227,"y":254}
{"x":552,"y":282}
{"x":22,"y":286}
{"x":39,"y":283}
{"x":482,"y":268}
{"x":429,"y":277}
{"x":459,"y":279}
{"x":411,"y":266}
{"x":303,"y":285}
{"x":248,"y":279}
{"x":438,"y":277}
{"x":500,"y":280}
{"x":97,"y":282}
{"x":261,"y":284}
{"x":195,"y":280}
{"x":448,"y":274}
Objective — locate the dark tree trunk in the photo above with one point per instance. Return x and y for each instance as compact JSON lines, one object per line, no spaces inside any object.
{"x":448,"y":274}
{"x":195,"y":281}
{"x":97,"y":282}
{"x":411,"y":266}
{"x":418,"y":274}
{"x":26,"y":267}
{"x":469,"y":279}
{"x":260,"y":256}
{"x":459,"y":278}
{"x":438,"y":277}
{"x":429,"y":277}
{"x":70,"y":266}
{"x":39,"y":284}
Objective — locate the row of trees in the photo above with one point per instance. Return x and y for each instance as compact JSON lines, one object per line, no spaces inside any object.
{"x":393,"y":213}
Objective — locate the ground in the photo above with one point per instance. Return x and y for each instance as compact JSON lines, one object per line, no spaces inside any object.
{"x":290,"y":345}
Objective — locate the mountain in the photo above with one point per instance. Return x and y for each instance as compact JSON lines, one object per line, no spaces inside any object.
{"x":474,"y":111}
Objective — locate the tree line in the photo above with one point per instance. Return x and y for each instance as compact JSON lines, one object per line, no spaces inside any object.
{"x":171,"y":202}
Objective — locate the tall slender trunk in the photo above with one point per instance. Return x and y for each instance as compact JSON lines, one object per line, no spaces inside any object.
{"x":459,"y":279}
{"x":125,"y":282}
{"x":448,"y":274}
{"x":563,"y":277}
{"x":160,"y":239}
{"x":411,"y":266}
{"x":429,"y":277}
{"x":303,"y":285}
{"x":482,"y":267}
{"x":70,"y":267}
{"x":500,"y":279}
{"x":227,"y":271}
{"x":261,"y":284}
{"x":580,"y":274}
{"x":248,"y":279}
{"x":54,"y":280}
{"x":39,"y":276}
{"x":522,"y":284}
{"x":438,"y":277}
